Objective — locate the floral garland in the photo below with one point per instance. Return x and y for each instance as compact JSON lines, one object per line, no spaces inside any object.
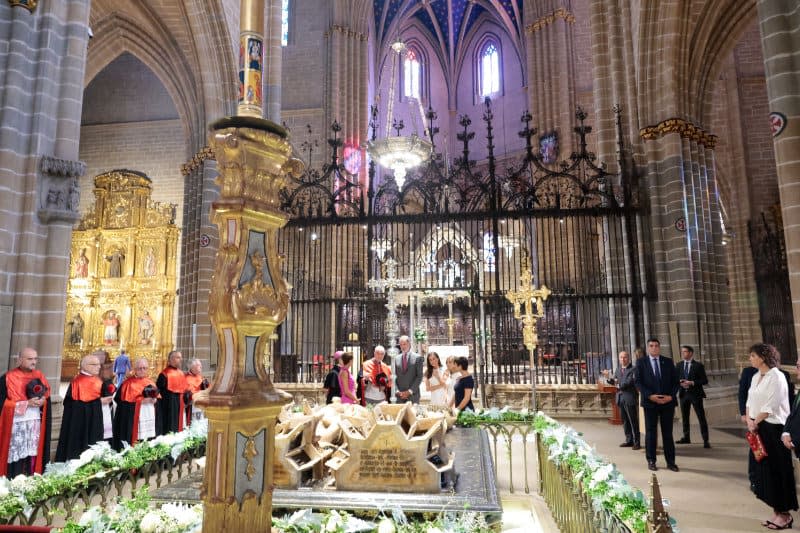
{"x":135,"y":515}
{"x":600,"y":480}
{"x":24,"y":493}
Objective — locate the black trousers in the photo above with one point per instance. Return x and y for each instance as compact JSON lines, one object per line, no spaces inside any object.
{"x":630,"y":422}
{"x":690,"y":400}
{"x":654,"y":417}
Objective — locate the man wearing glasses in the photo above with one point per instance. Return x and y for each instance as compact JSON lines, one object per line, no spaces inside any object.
{"x":82,"y":423}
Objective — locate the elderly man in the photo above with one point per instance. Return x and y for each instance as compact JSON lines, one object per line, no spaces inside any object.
{"x":25,"y":418}
{"x":172,"y":386}
{"x":626,"y":398}
{"x":407,"y":372}
{"x":135,"y":418}
{"x":196,"y":382}
{"x":377,"y":377}
{"x":82,"y":423}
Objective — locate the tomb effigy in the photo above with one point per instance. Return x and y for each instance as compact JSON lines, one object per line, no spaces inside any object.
{"x":388,"y":448}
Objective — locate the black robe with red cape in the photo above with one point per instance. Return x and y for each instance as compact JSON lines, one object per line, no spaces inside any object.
{"x":126,"y":416}
{"x":82,"y":423}
{"x":172,"y":384}
{"x":12,"y":390}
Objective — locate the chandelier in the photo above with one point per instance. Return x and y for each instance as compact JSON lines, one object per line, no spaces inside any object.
{"x":394,"y":151}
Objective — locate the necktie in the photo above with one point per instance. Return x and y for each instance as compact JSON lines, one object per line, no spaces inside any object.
{"x":656,"y":369}
{"x":405,"y":361}
{"x":623,"y":371}
{"x":686,"y":370}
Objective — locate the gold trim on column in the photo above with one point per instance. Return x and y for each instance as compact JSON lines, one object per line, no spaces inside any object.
{"x":197,"y":159}
{"x":30,"y":5}
{"x":560,"y":13}
{"x":684,"y":128}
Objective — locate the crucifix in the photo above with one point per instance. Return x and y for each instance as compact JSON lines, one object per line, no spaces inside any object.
{"x":528,"y":304}
{"x":389,"y":283}
{"x":450,"y":321}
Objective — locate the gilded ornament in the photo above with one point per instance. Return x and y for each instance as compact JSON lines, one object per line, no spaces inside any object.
{"x":30,"y":5}
{"x":249,"y":454}
{"x":546,"y":20}
{"x":684,"y":128}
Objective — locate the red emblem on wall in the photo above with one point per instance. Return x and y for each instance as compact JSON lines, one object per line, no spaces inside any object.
{"x":777,"y":123}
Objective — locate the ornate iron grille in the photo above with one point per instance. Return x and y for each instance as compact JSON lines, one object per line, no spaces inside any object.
{"x":460,"y":237}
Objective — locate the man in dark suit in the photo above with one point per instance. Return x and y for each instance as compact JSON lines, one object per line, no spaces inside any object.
{"x":625,"y":380}
{"x":657,"y":381}
{"x":692,"y":378}
{"x":407,"y":372}
{"x":791,"y":430}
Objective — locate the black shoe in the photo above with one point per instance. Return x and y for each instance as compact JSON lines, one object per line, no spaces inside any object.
{"x":706,"y":444}
{"x":684,"y":440}
{"x":626,"y":445}
{"x":636,"y":447}
{"x":674,"y":468}
{"x":652,"y":466}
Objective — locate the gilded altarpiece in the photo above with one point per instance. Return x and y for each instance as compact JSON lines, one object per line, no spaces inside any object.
{"x":122,"y":285}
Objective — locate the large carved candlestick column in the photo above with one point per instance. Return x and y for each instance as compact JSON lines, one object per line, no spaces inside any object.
{"x":248,"y":299}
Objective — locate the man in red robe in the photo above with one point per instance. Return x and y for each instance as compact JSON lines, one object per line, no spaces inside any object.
{"x":172,"y":385}
{"x":82,"y":423}
{"x":25,"y":418}
{"x":135,"y":418}
{"x":196,"y":382}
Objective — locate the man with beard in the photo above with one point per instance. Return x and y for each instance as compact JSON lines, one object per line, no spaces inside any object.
{"x":25,"y":418}
{"x":135,"y":416}
{"x":82,"y":423}
{"x":172,"y":385}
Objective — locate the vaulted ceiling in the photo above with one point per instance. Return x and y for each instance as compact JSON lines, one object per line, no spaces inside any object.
{"x":447,"y":21}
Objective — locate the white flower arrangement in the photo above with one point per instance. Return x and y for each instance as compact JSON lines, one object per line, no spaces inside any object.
{"x":23,"y":493}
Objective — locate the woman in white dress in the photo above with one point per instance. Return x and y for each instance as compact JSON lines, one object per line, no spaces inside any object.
{"x":434,"y":382}
{"x":451,"y":376}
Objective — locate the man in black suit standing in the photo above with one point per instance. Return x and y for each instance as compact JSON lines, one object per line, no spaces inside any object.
{"x":791,"y":430}
{"x":625,"y":380}
{"x":692,"y":378}
{"x":657,"y":380}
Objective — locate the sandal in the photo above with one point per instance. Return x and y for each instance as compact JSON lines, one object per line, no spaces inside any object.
{"x":775,"y":527}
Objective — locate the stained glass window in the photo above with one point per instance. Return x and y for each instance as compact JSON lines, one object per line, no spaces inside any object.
{"x":490,"y":70}
{"x":285,"y":23}
{"x":412,"y":69}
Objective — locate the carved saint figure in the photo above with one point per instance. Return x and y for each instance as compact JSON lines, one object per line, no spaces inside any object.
{"x":150,"y":263}
{"x":110,"y":327}
{"x":74,"y":195}
{"x":117,"y":260}
{"x":145,"y":328}
{"x":82,"y":265}
{"x":76,"y":329}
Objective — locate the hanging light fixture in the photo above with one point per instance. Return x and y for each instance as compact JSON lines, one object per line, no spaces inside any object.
{"x":396,"y":152}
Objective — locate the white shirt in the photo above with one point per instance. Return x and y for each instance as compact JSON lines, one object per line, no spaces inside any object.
{"x":769,"y":394}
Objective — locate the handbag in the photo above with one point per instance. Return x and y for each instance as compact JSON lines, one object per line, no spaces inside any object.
{"x":757,"y":445}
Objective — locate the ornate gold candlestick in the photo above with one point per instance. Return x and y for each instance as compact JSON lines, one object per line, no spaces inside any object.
{"x":528,"y":304}
{"x":248,"y":299}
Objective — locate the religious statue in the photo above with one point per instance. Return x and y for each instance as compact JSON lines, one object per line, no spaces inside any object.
{"x":76,"y":329}
{"x":110,"y":327}
{"x":150,"y":263}
{"x":74,"y":195}
{"x":145,"y":328}
{"x":82,"y":265}
{"x":117,"y":260}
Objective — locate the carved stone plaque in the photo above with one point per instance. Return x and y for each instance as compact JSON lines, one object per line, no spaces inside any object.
{"x":388,"y":461}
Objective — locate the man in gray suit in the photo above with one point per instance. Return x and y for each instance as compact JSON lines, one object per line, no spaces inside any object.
{"x":625,"y":380}
{"x":407,"y":371}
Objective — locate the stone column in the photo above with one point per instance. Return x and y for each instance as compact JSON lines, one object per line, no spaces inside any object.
{"x":689,"y":260}
{"x":42,"y":65}
{"x":778,"y":21}
{"x":551,"y":70}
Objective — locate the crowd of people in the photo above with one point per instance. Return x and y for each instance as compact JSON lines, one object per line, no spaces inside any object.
{"x":400,"y":380}
{"x":133,"y":409}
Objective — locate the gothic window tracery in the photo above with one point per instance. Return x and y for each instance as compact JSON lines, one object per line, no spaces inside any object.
{"x":412,"y":75}
{"x":285,"y":23}
{"x":489,"y":68}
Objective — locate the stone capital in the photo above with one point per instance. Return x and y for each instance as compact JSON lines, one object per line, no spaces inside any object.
{"x":58,"y":189}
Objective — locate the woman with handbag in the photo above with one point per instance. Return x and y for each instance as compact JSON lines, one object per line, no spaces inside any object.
{"x":766,"y":412}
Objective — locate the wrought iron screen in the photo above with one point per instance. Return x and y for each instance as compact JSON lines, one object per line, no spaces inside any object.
{"x":460,"y":237}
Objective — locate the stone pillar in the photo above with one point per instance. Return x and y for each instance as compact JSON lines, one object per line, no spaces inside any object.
{"x":347,"y":74}
{"x":274,"y":51}
{"x":689,"y":260}
{"x":551,"y":70}
{"x":42,"y":65}
{"x":778,"y":21}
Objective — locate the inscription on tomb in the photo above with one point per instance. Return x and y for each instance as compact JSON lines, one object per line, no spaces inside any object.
{"x":387,"y":464}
